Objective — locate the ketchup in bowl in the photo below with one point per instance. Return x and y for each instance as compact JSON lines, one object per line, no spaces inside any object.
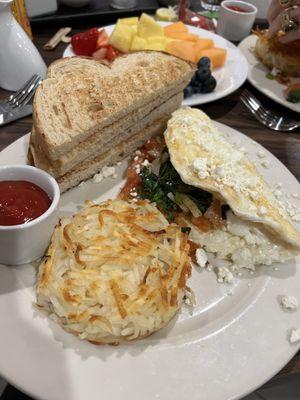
{"x":237,"y":8}
{"x":21,"y":202}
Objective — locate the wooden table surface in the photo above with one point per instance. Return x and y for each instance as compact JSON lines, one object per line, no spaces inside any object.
{"x":230,"y":111}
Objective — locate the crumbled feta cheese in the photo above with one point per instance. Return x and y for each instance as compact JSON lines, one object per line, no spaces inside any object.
{"x":200,"y":167}
{"x":261,"y":154}
{"x":145,"y":163}
{"x":295,"y":336}
{"x":106,"y":172}
{"x":201,"y":258}
{"x":135,"y":158}
{"x":289,"y":302}
{"x":224,"y":275}
{"x":138,"y":153}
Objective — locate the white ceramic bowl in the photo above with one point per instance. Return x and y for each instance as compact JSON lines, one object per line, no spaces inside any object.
{"x":236,"y":25}
{"x":20,"y":244}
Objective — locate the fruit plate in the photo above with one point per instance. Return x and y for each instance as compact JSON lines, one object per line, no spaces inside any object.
{"x":231,"y":342}
{"x":229,"y":78}
{"x":257,"y":76}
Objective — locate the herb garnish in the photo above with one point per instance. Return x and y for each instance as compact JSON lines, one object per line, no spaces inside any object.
{"x":167,"y":185}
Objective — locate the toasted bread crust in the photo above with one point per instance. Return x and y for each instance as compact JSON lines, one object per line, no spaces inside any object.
{"x":107,"y":138}
{"x":80,"y":96}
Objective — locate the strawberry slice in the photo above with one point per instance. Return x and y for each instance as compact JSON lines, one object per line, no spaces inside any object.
{"x":111,"y":53}
{"x":102,"y":39}
{"x":100,"y":54}
{"x":85,"y":43}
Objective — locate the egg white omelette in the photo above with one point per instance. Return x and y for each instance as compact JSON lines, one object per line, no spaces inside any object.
{"x":258,"y":229}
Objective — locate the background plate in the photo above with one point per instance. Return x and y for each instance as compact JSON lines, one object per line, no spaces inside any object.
{"x":233,"y":341}
{"x":229,"y":78}
{"x":257,"y":75}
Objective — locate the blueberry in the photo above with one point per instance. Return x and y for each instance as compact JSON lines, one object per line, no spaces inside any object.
{"x":204,"y":62}
{"x":197,"y":86}
{"x":203,"y":74}
{"x":189,"y":91}
{"x":209,"y":85}
{"x":194,"y":79}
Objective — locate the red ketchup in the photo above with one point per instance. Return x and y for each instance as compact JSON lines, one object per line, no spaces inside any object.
{"x":21,"y":202}
{"x":237,"y":8}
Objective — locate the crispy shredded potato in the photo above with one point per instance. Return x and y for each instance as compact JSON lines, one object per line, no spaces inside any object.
{"x":115,"y":272}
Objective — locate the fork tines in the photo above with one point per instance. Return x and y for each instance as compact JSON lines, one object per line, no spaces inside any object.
{"x":23,"y":96}
{"x":267,"y":117}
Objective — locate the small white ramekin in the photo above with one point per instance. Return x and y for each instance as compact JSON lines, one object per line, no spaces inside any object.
{"x":20,"y":244}
{"x":235,"y":25}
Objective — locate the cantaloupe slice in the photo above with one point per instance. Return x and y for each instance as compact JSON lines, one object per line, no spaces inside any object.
{"x":182,"y":49}
{"x":176,"y":27}
{"x":182,"y":36}
{"x":216,"y":55}
{"x":203,"y":44}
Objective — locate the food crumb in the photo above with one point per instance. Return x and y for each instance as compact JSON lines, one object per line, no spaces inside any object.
{"x":295,"y":336}
{"x":289,"y":302}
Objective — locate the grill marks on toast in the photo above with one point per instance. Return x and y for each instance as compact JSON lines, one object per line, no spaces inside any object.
{"x":110,"y":136}
{"x":84,"y":96}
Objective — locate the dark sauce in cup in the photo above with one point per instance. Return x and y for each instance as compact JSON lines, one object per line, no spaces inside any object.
{"x":21,"y":202}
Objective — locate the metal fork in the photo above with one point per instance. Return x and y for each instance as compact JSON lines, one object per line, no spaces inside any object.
{"x":267,"y":117}
{"x":22,"y":96}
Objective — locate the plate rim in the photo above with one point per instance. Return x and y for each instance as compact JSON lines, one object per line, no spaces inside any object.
{"x":23,"y":140}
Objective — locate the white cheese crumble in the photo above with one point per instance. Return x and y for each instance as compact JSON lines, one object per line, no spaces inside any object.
{"x":201,"y":258}
{"x":200,"y":167}
{"x":295,"y":336}
{"x":243,"y":243}
{"x":106,"y":172}
{"x":289,"y":302}
{"x":224,"y":275}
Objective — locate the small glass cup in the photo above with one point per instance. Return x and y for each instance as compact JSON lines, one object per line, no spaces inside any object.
{"x":211,"y":5}
{"x":123,"y":4}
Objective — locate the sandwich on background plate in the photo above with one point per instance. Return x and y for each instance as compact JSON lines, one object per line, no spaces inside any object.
{"x":284,"y":57}
{"x":87,"y":114}
{"x":211,"y":189}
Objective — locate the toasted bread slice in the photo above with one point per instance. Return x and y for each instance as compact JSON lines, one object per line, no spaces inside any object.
{"x":113,"y":134}
{"x":80,"y":96}
{"x":90,"y":167}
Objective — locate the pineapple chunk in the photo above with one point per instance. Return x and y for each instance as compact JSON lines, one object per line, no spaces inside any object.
{"x":129,"y":21}
{"x":134,"y":29}
{"x":147,"y":27}
{"x":138,"y":44}
{"x":155,"y":46}
{"x":122,"y":37}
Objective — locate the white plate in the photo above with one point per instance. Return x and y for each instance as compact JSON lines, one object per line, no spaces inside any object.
{"x":227,"y":347}
{"x":257,"y":76}
{"x":229,"y":78}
